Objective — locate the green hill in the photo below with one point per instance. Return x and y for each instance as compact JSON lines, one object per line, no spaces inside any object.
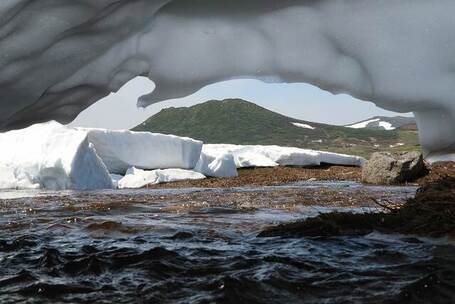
{"x":237,"y":121}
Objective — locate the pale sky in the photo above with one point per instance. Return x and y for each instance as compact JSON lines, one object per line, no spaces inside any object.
{"x":301,"y":101}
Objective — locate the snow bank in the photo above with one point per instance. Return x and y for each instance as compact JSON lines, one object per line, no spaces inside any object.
{"x":216,"y":164}
{"x":270,"y":156}
{"x":137,"y":178}
{"x":121,"y":150}
{"x":115,"y":179}
{"x":50,"y":156}
{"x":247,"y":159}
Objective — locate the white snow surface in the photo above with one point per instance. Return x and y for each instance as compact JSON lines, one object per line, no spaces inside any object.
{"x":386,"y":125}
{"x":53,"y":156}
{"x":121,"y":150}
{"x":251,"y":159}
{"x":393,"y":53}
{"x":270,"y":156}
{"x":216,"y":164}
{"x":50,"y":156}
{"x":138,"y":178}
{"x":304,"y":126}
{"x":115,"y":179}
{"x":362,"y":124}
{"x":433,"y":158}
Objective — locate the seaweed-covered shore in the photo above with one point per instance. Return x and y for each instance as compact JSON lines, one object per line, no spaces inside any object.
{"x":272,"y":176}
{"x":430,"y":213}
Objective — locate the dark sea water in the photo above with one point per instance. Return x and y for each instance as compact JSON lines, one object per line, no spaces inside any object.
{"x":201,"y":246}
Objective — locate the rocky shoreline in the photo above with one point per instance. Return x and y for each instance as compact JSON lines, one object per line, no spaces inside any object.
{"x":272,"y":177}
{"x":284,"y":175}
{"x":430,"y":213}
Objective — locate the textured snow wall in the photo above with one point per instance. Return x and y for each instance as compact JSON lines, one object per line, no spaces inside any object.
{"x":137,"y":178}
{"x":59,"y":56}
{"x":50,"y":156}
{"x":246,"y":156}
{"x":121,"y":150}
{"x":218,"y":164}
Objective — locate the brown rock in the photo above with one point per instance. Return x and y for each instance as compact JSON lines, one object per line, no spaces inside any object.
{"x":393,"y":168}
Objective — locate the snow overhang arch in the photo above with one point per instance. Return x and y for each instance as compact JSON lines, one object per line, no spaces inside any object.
{"x":58,"y":57}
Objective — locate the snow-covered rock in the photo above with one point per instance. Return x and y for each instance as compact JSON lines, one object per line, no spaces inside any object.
{"x":217,"y":164}
{"x":58,"y":57}
{"x":138,"y":178}
{"x":50,"y":156}
{"x":270,"y":156}
{"x":121,"y":150}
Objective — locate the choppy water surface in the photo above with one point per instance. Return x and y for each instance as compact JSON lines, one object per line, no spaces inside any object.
{"x":200,"y":246}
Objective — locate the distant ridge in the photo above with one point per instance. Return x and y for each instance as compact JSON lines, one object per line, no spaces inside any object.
{"x":238,"y":121}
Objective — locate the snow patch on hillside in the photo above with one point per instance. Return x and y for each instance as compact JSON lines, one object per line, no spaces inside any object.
{"x":386,"y":125}
{"x":377,"y":122}
{"x":362,"y":124}
{"x":302,"y":125}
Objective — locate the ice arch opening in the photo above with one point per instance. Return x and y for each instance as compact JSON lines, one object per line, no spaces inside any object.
{"x":118,"y":110}
{"x":58,"y":57}
{"x":298,"y":100}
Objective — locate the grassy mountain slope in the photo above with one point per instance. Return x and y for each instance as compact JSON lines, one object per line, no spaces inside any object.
{"x":240,"y":122}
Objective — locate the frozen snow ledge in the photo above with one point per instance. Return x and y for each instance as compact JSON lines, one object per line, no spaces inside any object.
{"x":50,"y":156}
{"x":121,"y":150}
{"x":271,"y":156}
{"x":137,"y":178}
{"x":53,"y":156}
{"x":398,"y":54}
